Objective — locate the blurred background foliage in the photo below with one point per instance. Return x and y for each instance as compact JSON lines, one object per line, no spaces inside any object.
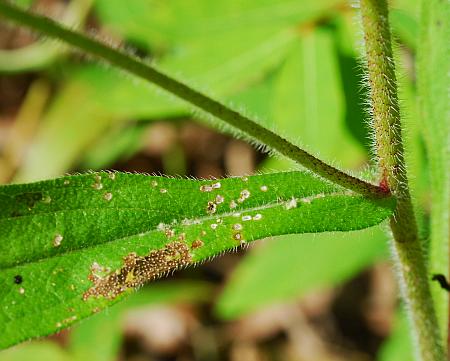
{"x":295,"y":66}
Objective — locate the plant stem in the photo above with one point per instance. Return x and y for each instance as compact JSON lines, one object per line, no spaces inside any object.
{"x":389,"y":149}
{"x":213,"y":107}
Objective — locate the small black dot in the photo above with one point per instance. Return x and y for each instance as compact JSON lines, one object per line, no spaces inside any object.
{"x":18,"y":279}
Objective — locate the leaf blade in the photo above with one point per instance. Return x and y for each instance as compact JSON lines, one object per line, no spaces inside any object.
{"x":57,"y":233}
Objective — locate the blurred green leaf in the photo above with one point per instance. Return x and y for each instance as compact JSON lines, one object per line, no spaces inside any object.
{"x":415,"y":154}
{"x":290,"y":266}
{"x":405,"y":27}
{"x":305,"y":103}
{"x":56,"y":234}
{"x":177,"y":21}
{"x":399,"y":344}
{"x":36,"y":351}
{"x":356,"y":116}
{"x":308,"y":101}
{"x":23,"y":3}
{"x":118,"y":144}
{"x":433,"y":69}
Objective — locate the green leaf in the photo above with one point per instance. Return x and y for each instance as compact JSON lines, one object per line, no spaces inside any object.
{"x":433,"y":69}
{"x":36,"y":351}
{"x":289,"y":267}
{"x":352,"y":77}
{"x":399,"y":344}
{"x":72,"y":246}
{"x":119,"y":143}
{"x":405,"y":27}
{"x":308,"y":100}
{"x":415,"y":154}
{"x":177,"y":21}
{"x":312,"y":99}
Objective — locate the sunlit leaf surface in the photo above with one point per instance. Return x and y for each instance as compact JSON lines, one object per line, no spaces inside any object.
{"x":74,"y":245}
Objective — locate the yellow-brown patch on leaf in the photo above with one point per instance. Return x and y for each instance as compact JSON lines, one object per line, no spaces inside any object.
{"x":137,"y":270}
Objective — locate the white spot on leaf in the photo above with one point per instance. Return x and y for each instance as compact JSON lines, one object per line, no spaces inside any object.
{"x":57,"y":240}
{"x":206,"y":188}
{"x":237,"y":226}
{"x":244,"y":195}
{"x":292,"y":203}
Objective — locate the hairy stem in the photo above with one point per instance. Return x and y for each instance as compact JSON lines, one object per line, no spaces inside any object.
{"x":201,"y":101}
{"x":389,"y":149}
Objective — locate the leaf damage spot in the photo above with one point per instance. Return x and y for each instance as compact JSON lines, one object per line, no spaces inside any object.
{"x":66,"y":321}
{"x":238,"y":237}
{"x":138,"y":270}
{"x":108,"y":196}
{"x":290,"y":204}
{"x":211,"y":208}
{"x":245,"y":194}
{"x":237,"y":226}
{"x":18,"y":279}
{"x":57,"y":240}
{"x":210,"y":187}
{"x":205,"y":188}
{"x":198,"y":243}
{"x":97,"y":182}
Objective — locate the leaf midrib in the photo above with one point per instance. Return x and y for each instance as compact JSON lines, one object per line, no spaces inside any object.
{"x":149,"y":232}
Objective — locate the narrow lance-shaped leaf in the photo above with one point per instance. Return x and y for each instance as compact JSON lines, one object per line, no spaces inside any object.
{"x":72,"y":246}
